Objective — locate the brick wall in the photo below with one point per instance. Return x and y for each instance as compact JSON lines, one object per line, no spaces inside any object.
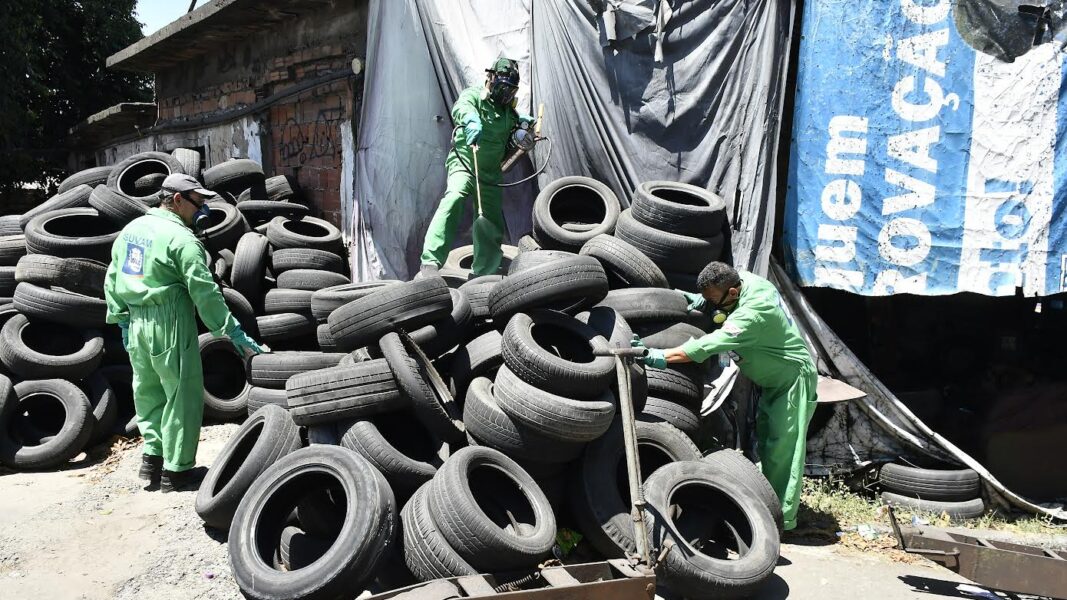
{"x":299,"y":135}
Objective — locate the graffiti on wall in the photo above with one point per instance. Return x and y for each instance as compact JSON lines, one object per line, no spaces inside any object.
{"x":303,"y":142}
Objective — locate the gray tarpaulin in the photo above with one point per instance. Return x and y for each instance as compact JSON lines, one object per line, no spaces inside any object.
{"x":706,"y":114}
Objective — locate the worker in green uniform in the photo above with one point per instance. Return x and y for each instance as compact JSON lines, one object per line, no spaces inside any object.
{"x":485,"y":117}
{"x":158,"y":274}
{"x":766,"y":345}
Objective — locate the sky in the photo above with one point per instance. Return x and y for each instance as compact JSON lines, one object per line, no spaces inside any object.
{"x":155,"y":14}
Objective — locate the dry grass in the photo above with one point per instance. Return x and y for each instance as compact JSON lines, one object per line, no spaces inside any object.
{"x":830,"y":510}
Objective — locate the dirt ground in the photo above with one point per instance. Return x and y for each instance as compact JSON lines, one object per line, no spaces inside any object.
{"x":91,"y":532}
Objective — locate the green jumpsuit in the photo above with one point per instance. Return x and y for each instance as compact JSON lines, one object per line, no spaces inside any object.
{"x":158,"y":273}
{"x":497,"y":124}
{"x":767,"y":347}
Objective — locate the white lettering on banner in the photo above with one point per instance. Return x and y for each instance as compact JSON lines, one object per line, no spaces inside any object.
{"x":1010,"y":179}
{"x":844,"y":252}
{"x":921,"y":51}
{"x":923,"y":13}
{"x":841,"y":199}
{"x":920,"y":193}
{"x":846,"y":154}
{"x":913,"y":147}
{"x":840,"y":145}
{"x":912,"y":230}
{"x":892,"y":282}
{"x":918,"y":112}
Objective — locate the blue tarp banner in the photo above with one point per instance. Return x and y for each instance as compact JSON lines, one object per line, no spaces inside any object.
{"x":921,"y":165}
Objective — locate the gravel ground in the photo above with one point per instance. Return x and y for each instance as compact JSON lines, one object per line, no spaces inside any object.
{"x":92,"y":531}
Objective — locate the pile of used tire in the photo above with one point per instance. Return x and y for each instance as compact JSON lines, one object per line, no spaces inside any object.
{"x":65,"y":379}
{"x":955,"y":493}
{"x":453,"y":425}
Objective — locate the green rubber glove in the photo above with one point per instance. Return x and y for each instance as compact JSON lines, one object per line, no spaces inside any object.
{"x":243,"y":342}
{"x":636,"y":342}
{"x":527,"y":119}
{"x":655,"y":358}
{"x":696,"y":301}
{"x":472,"y":129}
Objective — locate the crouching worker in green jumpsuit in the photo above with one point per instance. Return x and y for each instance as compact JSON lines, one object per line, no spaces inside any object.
{"x":485,"y":117}
{"x":158,"y":274}
{"x":766,"y":345}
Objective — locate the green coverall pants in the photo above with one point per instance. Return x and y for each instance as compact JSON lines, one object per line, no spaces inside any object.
{"x":442,"y":230}
{"x":168,"y":381}
{"x":781,"y":426}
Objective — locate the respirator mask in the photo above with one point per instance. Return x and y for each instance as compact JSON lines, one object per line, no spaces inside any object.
{"x":718,"y":314}
{"x":202,"y":216}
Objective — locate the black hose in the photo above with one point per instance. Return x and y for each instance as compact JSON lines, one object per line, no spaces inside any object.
{"x":467,"y":167}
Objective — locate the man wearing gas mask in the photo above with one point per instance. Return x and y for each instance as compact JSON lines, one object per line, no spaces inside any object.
{"x":762,"y":339}
{"x":485,"y":118}
{"x":157,"y":276}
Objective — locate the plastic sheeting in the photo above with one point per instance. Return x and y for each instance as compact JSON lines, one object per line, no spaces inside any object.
{"x":706,"y":114}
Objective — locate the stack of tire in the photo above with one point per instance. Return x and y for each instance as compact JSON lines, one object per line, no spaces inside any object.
{"x":67,"y":383}
{"x":955,"y":493}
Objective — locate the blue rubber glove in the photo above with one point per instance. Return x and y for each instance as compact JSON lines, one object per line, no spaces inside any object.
{"x":636,"y":342}
{"x":696,"y":301}
{"x":125,"y":327}
{"x":655,"y":358}
{"x":472,"y":130}
{"x":527,"y":119}
{"x":244,"y":343}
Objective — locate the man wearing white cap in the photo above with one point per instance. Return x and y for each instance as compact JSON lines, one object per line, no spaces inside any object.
{"x":158,"y":275}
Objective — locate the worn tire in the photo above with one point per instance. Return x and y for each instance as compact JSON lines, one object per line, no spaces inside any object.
{"x":957,"y":511}
{"x":568,"y":200}
{"x":733,"y":465}
{"x":126,"y":172}
{"x":366,"y":537}
{"x":492,"y":427}
{"x":227,"y":227}
{"x":610,"y":324}
{"x":71,"y":233}
{"x":273,"y":369}
{"x":265,"y":437}
{"x":286,"y":259}
{"x":234,"y":176}
{"x":658,"y":410}
{"x":679,"y":207}
{"x":432,"y":404}
{"x":568,"y":284}
{"x":685,"y":569}
{"x":79,"y":275}
{"x":645,"y":305}
{"x":480,"y":357}
{"x":116,"y":207}
{"x":59,"y":306}
{"x":77,"y":197}
{"x":406,"y":305}
{"x":92,"y":177}
{"x":280,"y":327}
{"x":600,"y":508}
{"x":57,"y":352}
{"x":258,"y":397}
{"x":249,"y":266}
{"x":189,"y":159}
{"x":427,"y":553}
{"x":258,"y":212}
{"x":953,"y":485}
{"x":343,"y":392}
{"x":534,"y":258}
{"x":682,"y":384}
{"x":462,"y":258}
{"x":104,"y":402}
{"x":67,"y":440}
{"x":327,"y":300}
{"x":241,"y":309}
{"x":307,"y":232}
{"x":408,"y":457}
{"x":281,"y":300}
{"x":225,"y":387}
{"x":470,"y":510}
{"x":624,"y":264}
{"x":672,"y":251}
{"x":554,"y":353}
{"x":667,"y":334}
{"x":441,"y":336}
{"x":10,"y":225}
{"x":12,"y":249}
{"x":551,"y":415}
{"x":477,"y":291}
{"x":310,"y":279}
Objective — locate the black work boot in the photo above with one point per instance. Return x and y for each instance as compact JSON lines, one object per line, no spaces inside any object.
{"x":150,"y":467}
{"x":180,"y":481}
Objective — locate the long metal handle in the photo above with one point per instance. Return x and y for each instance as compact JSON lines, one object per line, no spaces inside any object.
{"x":633,"y":465}
{"x":477,"y":181}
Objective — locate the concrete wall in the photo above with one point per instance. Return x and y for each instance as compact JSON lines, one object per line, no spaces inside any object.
{"x":300,"y":136}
